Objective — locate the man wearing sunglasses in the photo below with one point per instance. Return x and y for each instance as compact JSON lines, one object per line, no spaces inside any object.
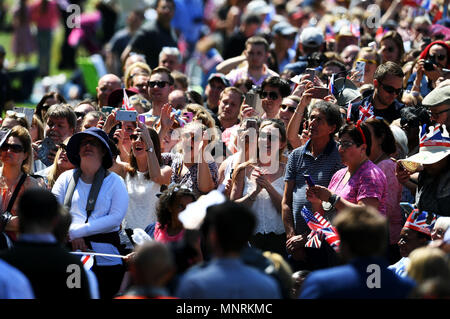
{"x":388,"y":89}
{"x":159,"y":87}
{"x":438,"y":103}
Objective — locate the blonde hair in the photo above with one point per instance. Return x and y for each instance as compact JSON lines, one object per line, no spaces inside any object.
{"x":128,"y":77}
{"x":426,"y":263}
{"x":55,"y":171}
{"x":25,"y":138}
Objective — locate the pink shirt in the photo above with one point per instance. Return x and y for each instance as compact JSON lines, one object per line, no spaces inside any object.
{"x":369,"y":181}
{"x":242,"y":73}
{"x":49,"y":19}
{"x":393,"y":198}
{"x":162,"y":236}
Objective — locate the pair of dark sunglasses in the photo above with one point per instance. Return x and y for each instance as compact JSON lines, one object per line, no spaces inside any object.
{"x":80,"y":114}
{"x":15,"y":148}
{"x":159,"y":84}
{"x":134,"y":137}
{"x":439,"y":57}
{"x":289,"y":108}
{"x":272,"y":95}
{"x":391,"y":89}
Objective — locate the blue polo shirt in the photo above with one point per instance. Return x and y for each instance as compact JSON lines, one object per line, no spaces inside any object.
{"x":320,"y":168}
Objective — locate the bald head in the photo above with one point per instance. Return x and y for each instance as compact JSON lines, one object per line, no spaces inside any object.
{"x":106,"y":85}
{"x":178,"y":99}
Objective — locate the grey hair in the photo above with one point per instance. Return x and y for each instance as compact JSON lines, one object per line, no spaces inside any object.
{"x":171,"y":51}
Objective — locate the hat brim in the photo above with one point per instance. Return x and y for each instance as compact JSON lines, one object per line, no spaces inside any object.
{"x":73,"y":148}
{"x":426,"y":157}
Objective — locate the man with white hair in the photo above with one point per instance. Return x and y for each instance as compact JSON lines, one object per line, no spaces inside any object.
{"x":170,"y":57}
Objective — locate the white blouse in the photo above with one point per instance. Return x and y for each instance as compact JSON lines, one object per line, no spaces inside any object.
{"x":141,"y":205}
{"x":267,"y":217}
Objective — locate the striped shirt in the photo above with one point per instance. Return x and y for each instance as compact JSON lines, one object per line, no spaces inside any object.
{"x":320,"y":168}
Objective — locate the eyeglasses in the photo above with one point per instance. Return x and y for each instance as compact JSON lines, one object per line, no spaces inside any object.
{"x":440,"y":57}
{"x":391,"y":89}
{"x":80,"y":114}
{"x":272,"y":95}
{"x":15,"y":148}
{"x":345,"y":144}
{"x":159,"y":84}
{"x":436,"y":114}
{"x":289,"y":108}
{"x":134,"y":137}
{"x":367,"y":61}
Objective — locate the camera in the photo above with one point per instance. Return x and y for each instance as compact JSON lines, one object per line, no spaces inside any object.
{"x":428,"y":64}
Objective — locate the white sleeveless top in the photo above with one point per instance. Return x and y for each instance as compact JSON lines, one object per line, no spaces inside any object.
{"x":141,"y":205}
{"x":267,"y":217}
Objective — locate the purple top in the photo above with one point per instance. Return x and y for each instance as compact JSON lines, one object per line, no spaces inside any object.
{"x":368,"y":181}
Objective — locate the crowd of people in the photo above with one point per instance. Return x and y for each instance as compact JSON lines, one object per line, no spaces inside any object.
{"x":243,"y":149}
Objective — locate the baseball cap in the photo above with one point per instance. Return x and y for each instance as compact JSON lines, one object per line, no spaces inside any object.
{"x":311,"y":37}
{"x":284,"y":28}
{"x":219,"y":76}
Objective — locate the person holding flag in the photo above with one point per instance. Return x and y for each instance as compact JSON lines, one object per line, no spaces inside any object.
{"x":363,"y":235}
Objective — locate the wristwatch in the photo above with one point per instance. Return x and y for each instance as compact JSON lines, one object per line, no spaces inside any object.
{"x":333,"y":200}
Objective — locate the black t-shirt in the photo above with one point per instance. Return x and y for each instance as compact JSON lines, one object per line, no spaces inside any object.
{"x":150,"y":39}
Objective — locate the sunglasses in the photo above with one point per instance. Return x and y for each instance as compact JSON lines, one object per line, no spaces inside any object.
{"x":63,"y":147}
{"x":440,"y":57}
{"x":289,"y":108}
{"x":80,"y":114}
{"x":15,"y":148}
{"x":391,"y":89}
{"x":272,"y":95}
{"x":159,"y":84}
{"x":436,"y":114}
{"x":367,"y":61}
{"x":345,"y":144}
{"x":134,"y":137}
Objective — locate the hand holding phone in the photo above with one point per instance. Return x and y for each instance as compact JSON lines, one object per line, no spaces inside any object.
{"x":47,"y":145}
{"x":308,"y":180}
{"x":319,"y":92}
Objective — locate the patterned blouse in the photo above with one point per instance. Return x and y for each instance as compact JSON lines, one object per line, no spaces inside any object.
{"x":175,"y":161}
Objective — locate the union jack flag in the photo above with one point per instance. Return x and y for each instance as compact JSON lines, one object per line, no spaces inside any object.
{"x":434,"y":138}
{"x":88,"y":261}
{"x":126,"y":102}
{"x":329,"y":33}
{"x":320,"y":229}
{"x":421,"y":221}
{"x":349,"y":111}
{"x":331,"y":85}
{"x":366,"y":111}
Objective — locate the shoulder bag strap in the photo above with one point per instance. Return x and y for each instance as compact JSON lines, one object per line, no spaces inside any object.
{"x":95,"y":189}
{"x":16,"y":192}
{"x":71,"y":188}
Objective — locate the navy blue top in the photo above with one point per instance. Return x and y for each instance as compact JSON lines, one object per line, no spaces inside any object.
{"x":227,"y":278}
{"x":321,"y":169}
{"x":357,"y":279}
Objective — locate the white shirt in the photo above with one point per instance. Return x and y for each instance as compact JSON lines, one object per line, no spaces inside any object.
{"x":267,"y":217}
{"x":141,"y":205}
{"x":110,"y":209}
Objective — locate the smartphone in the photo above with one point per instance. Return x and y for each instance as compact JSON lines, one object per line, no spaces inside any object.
{"x":360,"y":68}
{"x":141,"y":118}
{"x":407,"y":208}
{"x":250,"y":99}
{"x":128,"y":116}
{"x":107,"y":109}
{"x":320,"y":92}
{"x":308,"y":180}
{"x":311,"y":74}
{"x":251,"y":123}
{"x":44,"y":149}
